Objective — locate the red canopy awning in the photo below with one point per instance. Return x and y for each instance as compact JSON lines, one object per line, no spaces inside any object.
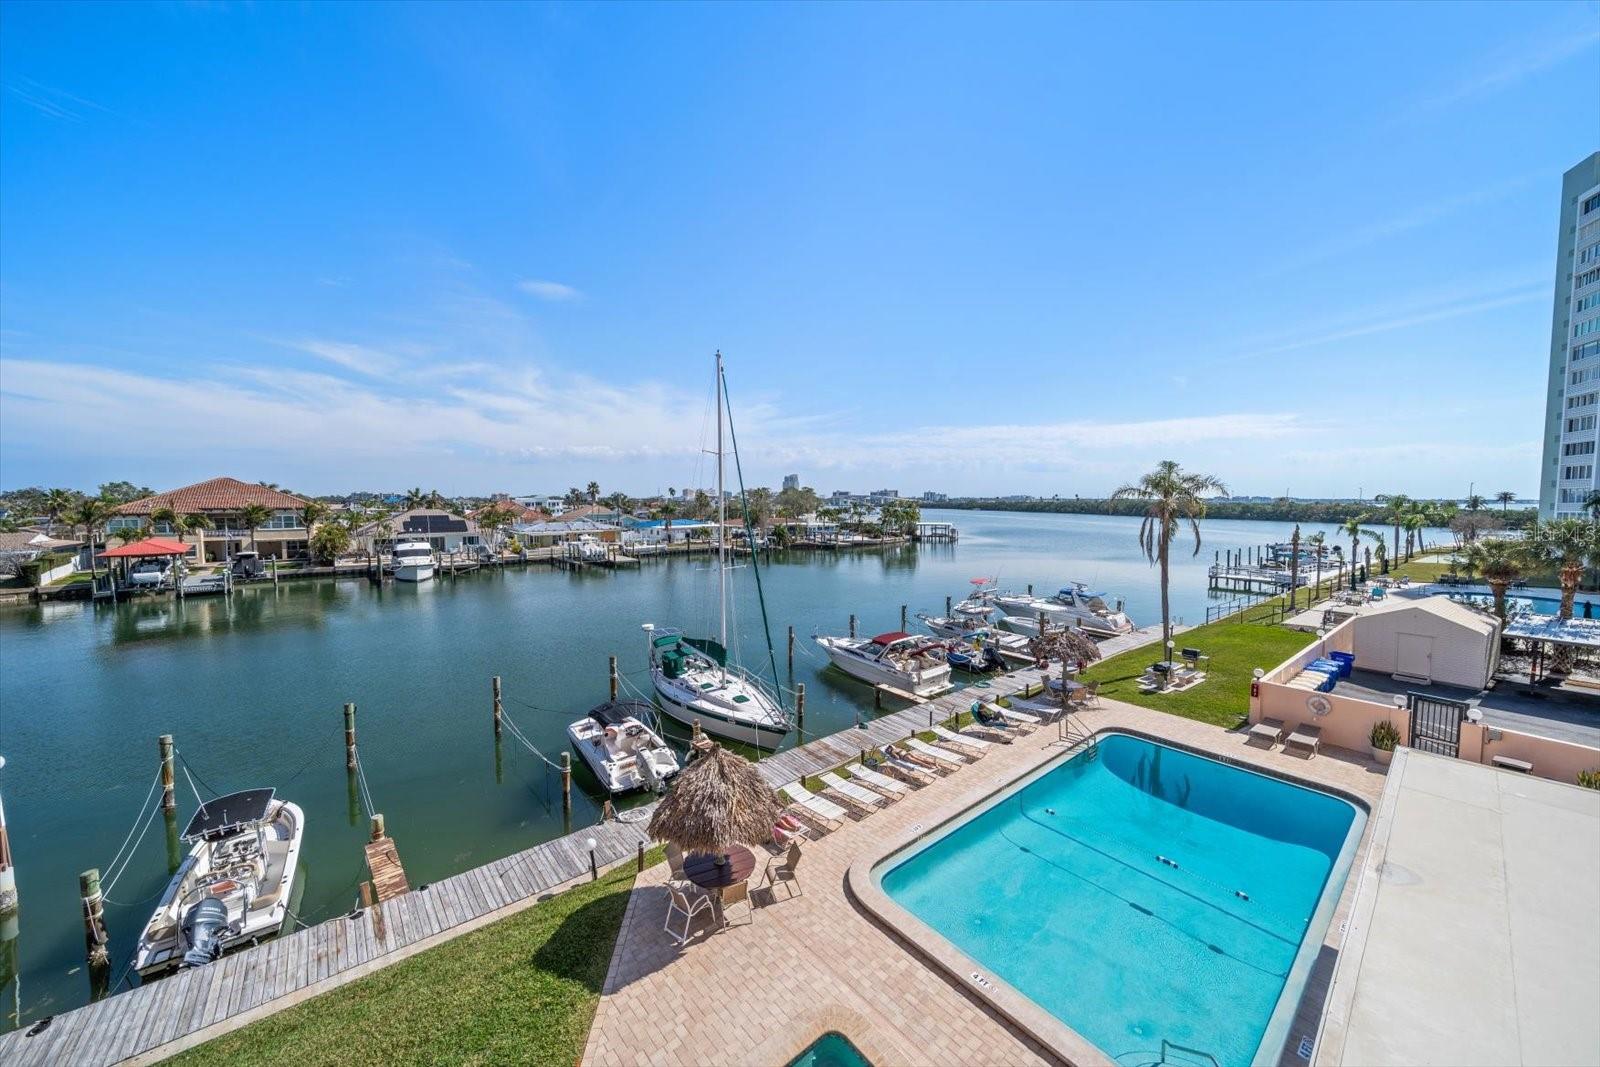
{"x":152,"y":546}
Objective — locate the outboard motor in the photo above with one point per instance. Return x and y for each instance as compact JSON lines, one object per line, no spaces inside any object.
{"x":203,"y":928}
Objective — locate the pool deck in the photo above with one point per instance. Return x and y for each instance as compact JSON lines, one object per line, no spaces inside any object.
{"x":759,"y":993}
{"x":1475,"y":938}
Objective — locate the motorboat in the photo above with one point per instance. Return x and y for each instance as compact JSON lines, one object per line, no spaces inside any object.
{"x":695,"y":683}
{"x":974,"y":657}
{"x":970,"y":630}
{"x":979,"y":604}
{"x":1075,"y":605}
{"x":233,"y":887}
{"x":150,"y":574}
{"x":911,"y":664}
{"x":621,"y":744}
{"x":693,"y":677}
{"x":412,"y":561}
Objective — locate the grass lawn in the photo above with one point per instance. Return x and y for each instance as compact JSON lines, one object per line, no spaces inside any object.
{"x":80,"y":578}
{"x":522,"y":990}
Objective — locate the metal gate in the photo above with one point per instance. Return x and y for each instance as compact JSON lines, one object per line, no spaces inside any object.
{"x":1436,"y":723}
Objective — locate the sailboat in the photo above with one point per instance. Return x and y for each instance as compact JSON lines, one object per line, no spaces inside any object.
{"x":692,"y":676}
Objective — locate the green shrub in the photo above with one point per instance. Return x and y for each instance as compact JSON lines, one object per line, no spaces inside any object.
{"x":1384,"y":736}
{"x":1589,"y":779}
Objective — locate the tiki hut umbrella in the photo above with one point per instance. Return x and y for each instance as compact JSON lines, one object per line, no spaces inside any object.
{"x":1066,"y":644}
{"x":718,"y":801}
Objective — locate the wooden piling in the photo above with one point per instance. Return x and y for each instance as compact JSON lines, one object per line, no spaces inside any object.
{"x":902,"y":617}
{"x":499,"y":706}
{"x":947,"y":607}
{"x":791,"y":653}
{"x":94,"y":919}
{"x":377,"y":826}
{"x":640,"y":860}
{"x":800,"y":705}
{"x":852,"y":625}
{"x":566,"y":783}
{"x":169,"y":798}
{"x":350,"y":737}
{"x":613,"y":675}
{"x":1030,"y":588}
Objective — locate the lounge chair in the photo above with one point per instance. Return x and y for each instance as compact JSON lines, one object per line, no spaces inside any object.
{"x":1024,"y":720}
{"x":810,"y":806}
{"x":896,"y":764}
{"x":787,"y":829}
{"x":688,"y":900}
{"x":851,"y":795}
{"x":1304,"y":738}
{"x":1267,"y":730}
{"x":889,"y":788}
{"x":990,"y":717}
{"x":784,"y":873}
{"x":969,"y":745}
{"x":943,"y":758}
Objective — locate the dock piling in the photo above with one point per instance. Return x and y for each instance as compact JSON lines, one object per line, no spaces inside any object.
{"x":566,"y":783}
{"x":1030,"y":588}
{"x":377,"y":826}
{"x":499,"y":706}
{"x":852,"y":625}
{"x":800,"y":705}
{"x":791,"y":653}
{"x":947,"y":607}
{"x":94,"y":919}
{"x":902,"y":617}
{"x":613,"y":675}
{"x":350,"y":737}
{"x":169,"y":799}
{"x":640,"y":860}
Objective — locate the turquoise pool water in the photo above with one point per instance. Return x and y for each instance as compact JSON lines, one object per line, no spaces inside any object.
{"x":832,"y":1049}
{"x":1140,"y":893}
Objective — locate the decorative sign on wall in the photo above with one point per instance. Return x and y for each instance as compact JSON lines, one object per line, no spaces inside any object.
{"x":1319,"y":704}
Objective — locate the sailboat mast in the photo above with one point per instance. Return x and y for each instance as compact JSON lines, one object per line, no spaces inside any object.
{"x":722,"y":507}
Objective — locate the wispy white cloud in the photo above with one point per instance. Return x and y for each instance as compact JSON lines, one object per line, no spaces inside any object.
{"x":48,"y":100}
{"x":1516,"y":61}
{"x":555,"y":292}
{"x":358,"y":358}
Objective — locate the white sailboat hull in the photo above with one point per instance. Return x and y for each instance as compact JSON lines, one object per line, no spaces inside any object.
{"x":679,"y":702}
{"x":924,"y":682}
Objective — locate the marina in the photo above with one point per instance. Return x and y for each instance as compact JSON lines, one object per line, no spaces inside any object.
{"x":418,"y":660}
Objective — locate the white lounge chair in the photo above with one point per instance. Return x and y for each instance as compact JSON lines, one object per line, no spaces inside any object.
{"x":942,"y":757}
{"x":977,"y":746}
{"x":1025,"y":719}
{"x":890,"y":788}
{"x":855,"y":796}
{"x":826,"y":812}
{"x":906,"y":770}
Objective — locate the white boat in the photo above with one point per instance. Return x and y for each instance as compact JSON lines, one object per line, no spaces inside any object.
{"x":971,"y":631}
{"x":1075,"y":605}
{"x":413,"y":561}
{"x":692,"y":676}
{"x":232,"y":889}
{"x":619,"y":742}
{"x":903,"y":661}
{"x":979,"y":603}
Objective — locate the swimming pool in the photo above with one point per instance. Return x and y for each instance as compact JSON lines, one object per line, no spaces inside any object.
{"x":1140,"y":893}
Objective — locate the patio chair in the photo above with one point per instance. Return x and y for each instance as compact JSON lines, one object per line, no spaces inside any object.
{"x":942,"y":758}
{"x":889,"y":788}
{"x":905,"y":770}
{"x":784,"y":873}
{"x":976,"y":747}
{"x":737,"y":893}
{"x":851,"y":795}
{"x":812,"y":807}
{"x":688,"y":900}
{"x":1267,"y":730}
{"x":675,"y":861}
{"x":1091,"y":695}
{"x":1303,"y":739}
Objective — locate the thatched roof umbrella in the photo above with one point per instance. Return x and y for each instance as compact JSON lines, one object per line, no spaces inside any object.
{"x":716,"y":802}
{"x":1067,"y":645}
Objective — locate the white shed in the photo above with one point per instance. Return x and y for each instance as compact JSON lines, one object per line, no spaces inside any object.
{"x":1433,"y":639}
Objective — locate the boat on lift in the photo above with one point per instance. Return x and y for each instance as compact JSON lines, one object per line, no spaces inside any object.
{"x":1075,"y":605}
{"x":970,"y":630}
{"x":975,"y":656}
{"x":233,"y":887}
{"x":916,"y":665}
{"x":620,"y":742}
{"x":412,"y":561}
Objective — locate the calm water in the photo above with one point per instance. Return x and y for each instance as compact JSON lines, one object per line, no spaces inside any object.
{"x":252,"y":690}
{"x":1060,"y":890}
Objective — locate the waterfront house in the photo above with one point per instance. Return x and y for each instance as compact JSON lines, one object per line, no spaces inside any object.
{"x":542,"y":534}
{"x":444,"y":530}
{"x":222,"y":501}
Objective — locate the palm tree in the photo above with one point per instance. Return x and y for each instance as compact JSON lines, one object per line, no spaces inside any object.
{"x":57,"y":502}
{"x":415,"y":498}
{"x":594,"y":493}
{"x":671,"y":492}
{"x":1501,"y":562}
{"x":573,"y":497}
{"x":196,"y":524}
{"x":1570,"y":545}
{"x":1395,"y":508}
{"x":1414,"y":522}
{"x":254,"y":516}
{"x":1174,"y":497}
{"x":668,"y":509}
{"x":91,"y":513}
{"x":1505,"y":497}
{"x":1316,"y":541}
{"x":1355,"y":530}
{"x":315,"y":511}
{"x":127,"y":534}
{"x":163,"y":517}
{"x":1475,"y":502}
{"x":1591,"y":504}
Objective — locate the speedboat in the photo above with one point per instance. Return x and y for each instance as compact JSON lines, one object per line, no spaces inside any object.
{"x":1075,"y":605}
{"x":969,"y":629}
{"x":912,"y":664}
{"x":695,"y":684}
{"x":413,"y":561}
{"x":232,"y":889}
{"x":975,"y":657}
{"x":619,"y":742}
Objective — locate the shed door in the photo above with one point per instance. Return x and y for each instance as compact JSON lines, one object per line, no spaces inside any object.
{"x":1413,"y":656}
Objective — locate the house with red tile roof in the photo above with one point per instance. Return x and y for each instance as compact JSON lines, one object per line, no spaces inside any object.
{"x":223,"y":501}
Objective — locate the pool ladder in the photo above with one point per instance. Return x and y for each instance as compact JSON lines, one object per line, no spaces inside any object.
{"x":1191,"y":1057}
{"x":1072,"y":734}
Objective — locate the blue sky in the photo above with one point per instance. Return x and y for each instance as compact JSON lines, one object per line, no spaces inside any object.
{"x":1013,"y":249}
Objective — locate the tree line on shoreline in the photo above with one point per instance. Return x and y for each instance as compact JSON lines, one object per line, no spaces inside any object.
{"x":1315,"y":512}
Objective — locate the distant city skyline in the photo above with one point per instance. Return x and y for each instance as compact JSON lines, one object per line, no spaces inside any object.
{"x":1309,"y":256}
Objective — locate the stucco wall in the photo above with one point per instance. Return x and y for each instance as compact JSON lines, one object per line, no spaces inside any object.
{"x":1461,"y":655}
{"x":1558,"y":760}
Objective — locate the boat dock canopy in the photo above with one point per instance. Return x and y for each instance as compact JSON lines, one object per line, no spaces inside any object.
{"x":230,"y":814}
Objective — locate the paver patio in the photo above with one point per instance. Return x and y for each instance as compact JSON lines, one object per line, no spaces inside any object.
{"x":760,"y":993}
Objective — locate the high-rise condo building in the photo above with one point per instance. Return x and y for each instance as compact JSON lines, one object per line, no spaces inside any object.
{"x":1567,"y":473}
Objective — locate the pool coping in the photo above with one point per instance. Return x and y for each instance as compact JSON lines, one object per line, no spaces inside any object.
{"x":968,"y":974}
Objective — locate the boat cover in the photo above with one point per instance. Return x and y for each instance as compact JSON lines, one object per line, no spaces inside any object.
{"x":616,"y":712}
{"x":710,"y":648}
{"x":229,"y":814}
{"x":889,"y":638}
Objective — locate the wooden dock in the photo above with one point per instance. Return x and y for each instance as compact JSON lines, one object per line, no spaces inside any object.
{"x":153,"y":1021}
